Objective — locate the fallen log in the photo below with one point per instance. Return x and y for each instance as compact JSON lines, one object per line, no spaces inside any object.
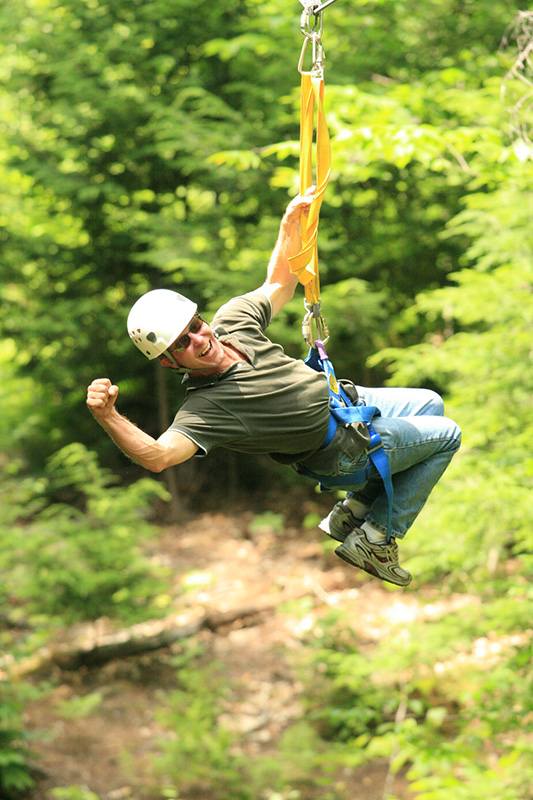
{"x":93,"y":647}
{"x":94,"y":650}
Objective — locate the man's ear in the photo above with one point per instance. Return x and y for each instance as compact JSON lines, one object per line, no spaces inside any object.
{"x":165,"y":362}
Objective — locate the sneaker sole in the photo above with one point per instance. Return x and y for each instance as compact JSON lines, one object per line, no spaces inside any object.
{"x":355,"y":560}
{"x":337,"y":535}
{"x":324,"y":526}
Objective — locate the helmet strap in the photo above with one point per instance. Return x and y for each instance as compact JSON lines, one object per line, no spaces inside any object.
{"x":172,"y":358}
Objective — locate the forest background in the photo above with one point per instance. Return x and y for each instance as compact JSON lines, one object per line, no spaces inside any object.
{"x":154,"y":144}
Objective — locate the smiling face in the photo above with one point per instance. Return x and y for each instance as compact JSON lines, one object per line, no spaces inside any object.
{"x":196,"y":349}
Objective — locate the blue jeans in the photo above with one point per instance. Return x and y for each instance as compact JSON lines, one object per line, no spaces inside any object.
{"x":420,"y":443}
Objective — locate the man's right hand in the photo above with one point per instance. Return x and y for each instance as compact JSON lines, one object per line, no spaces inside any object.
{"x":101,"y":398}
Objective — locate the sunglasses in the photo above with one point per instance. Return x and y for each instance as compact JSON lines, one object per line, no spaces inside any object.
{"x":182,"y":342}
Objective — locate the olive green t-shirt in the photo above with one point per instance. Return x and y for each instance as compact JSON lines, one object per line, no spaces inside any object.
{"x":271,"y":404}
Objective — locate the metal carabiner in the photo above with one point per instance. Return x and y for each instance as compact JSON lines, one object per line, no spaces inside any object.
{"x":306,"y":27}
{"x":312,"y":31}
{"x":314,"y":325}
{"x":318,"y":56}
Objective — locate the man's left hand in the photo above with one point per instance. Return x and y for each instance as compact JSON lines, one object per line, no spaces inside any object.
{"x":299,"y":205}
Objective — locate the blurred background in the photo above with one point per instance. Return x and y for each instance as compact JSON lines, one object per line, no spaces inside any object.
{"x":154,"y":144}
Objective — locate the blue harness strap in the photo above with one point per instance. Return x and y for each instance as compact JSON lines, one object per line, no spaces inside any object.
{"x":343,"y":412}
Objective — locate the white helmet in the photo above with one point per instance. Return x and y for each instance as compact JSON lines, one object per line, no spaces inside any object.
{"x":157,"y":319}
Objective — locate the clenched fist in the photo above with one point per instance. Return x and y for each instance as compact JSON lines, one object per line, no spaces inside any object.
{"x":101,"y":398}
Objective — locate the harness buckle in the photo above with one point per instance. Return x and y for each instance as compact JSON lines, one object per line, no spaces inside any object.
{"x":374,"y":448}
{"x":376,"y":442}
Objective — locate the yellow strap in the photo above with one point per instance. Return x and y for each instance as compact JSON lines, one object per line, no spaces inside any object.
{"x":305,"y":263}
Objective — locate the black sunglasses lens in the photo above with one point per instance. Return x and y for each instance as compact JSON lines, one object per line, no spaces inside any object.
{"x":184,"y":341}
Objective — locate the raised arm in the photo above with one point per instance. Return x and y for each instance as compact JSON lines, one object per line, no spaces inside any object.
{"x":280,"y":282}
{"x":153,"y":454}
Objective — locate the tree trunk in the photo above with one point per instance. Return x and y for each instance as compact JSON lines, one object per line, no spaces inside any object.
{"x":169,"y":476}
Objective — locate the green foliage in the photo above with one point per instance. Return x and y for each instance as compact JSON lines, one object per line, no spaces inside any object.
{"x":80,"y":707}
{"x":17,"y":399}
{"x":136,"y":151}
{"x":267,"y":522}
{"x":479,"y":350}
{"x":199,"y":755}
{"x":15,"y":756}
{"x":303,"y":765}
{"x":146,"y":156}
{"x":446,"y":699}
{"x":73,"y":793}
{"x":431,"y":701}
{"x":82,"y":559}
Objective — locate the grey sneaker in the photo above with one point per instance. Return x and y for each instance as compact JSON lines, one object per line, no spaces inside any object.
{"x":380,"y":560}
{"x":339,"y":522}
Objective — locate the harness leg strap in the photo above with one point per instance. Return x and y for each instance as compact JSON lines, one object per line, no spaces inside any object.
{"x":345,"y":413}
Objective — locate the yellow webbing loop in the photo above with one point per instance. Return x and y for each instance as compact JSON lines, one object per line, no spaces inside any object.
{"x":305,"y":263}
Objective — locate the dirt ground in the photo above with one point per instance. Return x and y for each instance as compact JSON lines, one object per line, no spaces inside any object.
{"x":219,"y":562}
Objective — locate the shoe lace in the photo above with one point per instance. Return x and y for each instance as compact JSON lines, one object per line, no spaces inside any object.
{"x":391,"y":550}
{"x":349,"y":521}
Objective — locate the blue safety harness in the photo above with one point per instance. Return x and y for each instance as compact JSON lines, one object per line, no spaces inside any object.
{"x":343,"y":412}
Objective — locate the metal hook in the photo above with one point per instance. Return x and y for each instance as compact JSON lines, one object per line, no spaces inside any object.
{"x":320,"y":8}
{"x":316,"y":8}
{"x":306,"y":27}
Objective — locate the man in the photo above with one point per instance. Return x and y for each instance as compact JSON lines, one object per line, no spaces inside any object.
{"x":245,"y":394}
